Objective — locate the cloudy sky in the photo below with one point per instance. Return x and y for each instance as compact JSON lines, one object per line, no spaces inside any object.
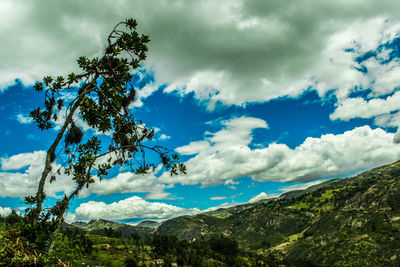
{"x":258,"y":96}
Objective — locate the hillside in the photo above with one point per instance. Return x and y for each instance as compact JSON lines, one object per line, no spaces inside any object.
{"x":354,"y":220}
{"x":341,"y":222}
{"x":109,"y":228}
{"x":148,"y":224}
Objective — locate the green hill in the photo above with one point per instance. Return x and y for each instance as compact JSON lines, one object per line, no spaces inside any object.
{"x":148,"y":224}
{"x":343,"y":221}
{"x":109,"y":228}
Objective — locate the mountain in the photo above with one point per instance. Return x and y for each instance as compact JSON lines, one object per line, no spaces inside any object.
{"x":353,"y":221}
{"x":297,"y":193}
{"x":104,"y":227}
{"x":149,"y":224}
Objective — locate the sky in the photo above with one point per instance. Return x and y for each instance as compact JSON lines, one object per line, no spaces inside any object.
{"x":259,"y":97}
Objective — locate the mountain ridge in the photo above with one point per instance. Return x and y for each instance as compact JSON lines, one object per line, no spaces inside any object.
{"x":352,"y":216}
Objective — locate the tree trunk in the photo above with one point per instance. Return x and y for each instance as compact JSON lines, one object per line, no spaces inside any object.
{"x":51,"y":153}
{"x":60,"y":218}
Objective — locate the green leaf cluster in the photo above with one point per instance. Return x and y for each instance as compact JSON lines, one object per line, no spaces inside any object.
{"x":102,"y":97}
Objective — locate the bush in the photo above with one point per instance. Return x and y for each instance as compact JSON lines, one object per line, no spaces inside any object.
{"x":130,"y":262}
{"x":224,"y":245}
{"x":16,"y":251}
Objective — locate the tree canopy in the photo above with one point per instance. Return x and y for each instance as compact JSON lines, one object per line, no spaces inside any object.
{"x":102,"y":96}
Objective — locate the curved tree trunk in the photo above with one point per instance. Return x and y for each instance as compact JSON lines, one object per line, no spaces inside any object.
{"x":60,"y":217}
{"x":54,"y":235}
{"x":40,"y":195}
{"x":49,"y":158}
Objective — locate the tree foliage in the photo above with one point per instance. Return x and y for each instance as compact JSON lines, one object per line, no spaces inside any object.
{"x":103,"y":95}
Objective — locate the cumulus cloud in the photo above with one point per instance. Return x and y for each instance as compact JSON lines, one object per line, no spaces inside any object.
{"x":388,"y":120}
{"x":226,"y":155}
{"x":24,"y":119}
{"x":24,"y":171}
{"x":133,"y":207}
{"x":127,"y":182}
{"x":69,"y":217}
{"x":164,"y":137}
{"x":21,"y":173}
{"x":5,"y":211}
{"x":19,"y":161}
{"x":351,"y":108}
{"x":262,"y":196}
{"x":250,"y":51}
{"x":396,"y":138}
{"x":136,"y":207}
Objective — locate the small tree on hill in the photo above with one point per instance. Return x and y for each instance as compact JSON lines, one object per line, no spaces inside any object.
{"x":102,"y":99}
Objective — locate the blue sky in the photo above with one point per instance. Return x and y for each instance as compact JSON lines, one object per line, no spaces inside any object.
{"x":258,"y":100}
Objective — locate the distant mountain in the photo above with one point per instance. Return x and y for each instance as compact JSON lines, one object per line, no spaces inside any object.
{"x":297,"y":193}
{"x":352,"y":222}
{"x":149,"y":224}
{"x":292,"y":194}
{"x":104,"y":227}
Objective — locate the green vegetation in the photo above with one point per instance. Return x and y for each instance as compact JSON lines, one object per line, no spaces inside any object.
{"x":348,"y":222}
{"x":345,"y":222}
{"x":102,"y":94}
{"x":74,"y":248}
{"x":299,"y":206}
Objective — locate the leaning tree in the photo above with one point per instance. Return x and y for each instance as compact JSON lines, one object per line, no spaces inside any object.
{"x":103,"y":94}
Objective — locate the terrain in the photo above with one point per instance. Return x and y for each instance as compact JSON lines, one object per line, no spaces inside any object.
{"x":341,"y":222}
{"x":350,"y":221}
{"x":110,"y":228}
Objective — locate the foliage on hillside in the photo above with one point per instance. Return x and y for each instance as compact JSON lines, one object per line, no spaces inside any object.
{"x":73,"y":249}
{"x":343,"y":222}
{"x":109,"y":228}
{"x":22,"y":245}
{"x":346,"y":222}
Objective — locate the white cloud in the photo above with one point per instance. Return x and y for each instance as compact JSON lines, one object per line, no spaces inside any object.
{"x":248,"y":52}
{"x":145,"y":92}
{"x":351,"y":108}
{"x":193,"y":148}
{"x":388,"y":120}
{"x":24,"y":119}
{"x":24,"y":171}
{"x":5,"y":211}
{"x":133,"y":207}
{"x":262,"y":196}
{"x":78,"y":120}
{"x":127,"y":182}
{"x":18,"y":182}
{"x":164,"y":137}
{"x":19,"y":161}
{"x":218,"y":198}
{"x":226,"y":155}
{"x":396,"y":138}
{"x":69,"y":217}
{"x":231,"y":184}
{"x":161,"y":136}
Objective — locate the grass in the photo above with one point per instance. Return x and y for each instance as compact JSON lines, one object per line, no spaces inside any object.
{"x":300,"y":205}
